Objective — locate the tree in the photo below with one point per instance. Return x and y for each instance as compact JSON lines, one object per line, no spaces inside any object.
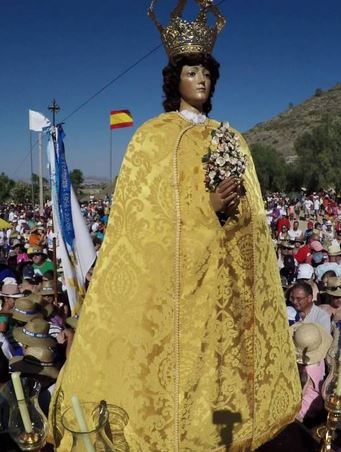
{"x":77,"y":179}
{"x":270,"y":167}
{"x":319,"y":156}
{"x":21,"y":192}
{"x":6,"y":184}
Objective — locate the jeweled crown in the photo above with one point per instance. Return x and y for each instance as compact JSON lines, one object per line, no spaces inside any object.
{"x":181,"y":36}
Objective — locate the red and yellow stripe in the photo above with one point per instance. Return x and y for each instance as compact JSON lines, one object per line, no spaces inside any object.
{"x":120,"y":118}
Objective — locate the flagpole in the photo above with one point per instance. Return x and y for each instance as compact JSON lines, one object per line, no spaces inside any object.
{"x":110,"y":158}
{"x":55,"y":109}
{"x":41,"y":198}
{"x":31,"y":154}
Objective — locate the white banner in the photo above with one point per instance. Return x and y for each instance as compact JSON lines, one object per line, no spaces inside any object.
{"x":37,"y":121}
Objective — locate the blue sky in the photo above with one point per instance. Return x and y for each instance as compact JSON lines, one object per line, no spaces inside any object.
{"x":271,"y":53}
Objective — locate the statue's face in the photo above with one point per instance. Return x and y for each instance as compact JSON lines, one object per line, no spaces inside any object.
{"x":194,"y":86}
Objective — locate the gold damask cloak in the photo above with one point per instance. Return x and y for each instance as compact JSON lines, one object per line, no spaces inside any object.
{"x":184,"y":324}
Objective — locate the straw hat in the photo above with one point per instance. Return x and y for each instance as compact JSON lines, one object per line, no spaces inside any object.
{"x":35,"y":298}
{"x":35,"y":334}
{"x":37,"y":360}
{"x":25,"y":309}
{"x":32,"y":250}
{"x":334,"y":286}
{"x":312,"y":342}
{"x":334,"y":250}
{"x":11,"y":290}
{"x":46,"y":307}
{"x":16,"y":243}
{"x":48,"y":289}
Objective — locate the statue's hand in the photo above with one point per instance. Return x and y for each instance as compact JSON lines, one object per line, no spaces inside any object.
{"x":226,"y":197}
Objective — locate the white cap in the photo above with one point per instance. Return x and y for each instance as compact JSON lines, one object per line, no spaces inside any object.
{"x":305,"y":271}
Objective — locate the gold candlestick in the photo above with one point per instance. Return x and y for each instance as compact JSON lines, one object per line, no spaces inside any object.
{"x":327,"y":432}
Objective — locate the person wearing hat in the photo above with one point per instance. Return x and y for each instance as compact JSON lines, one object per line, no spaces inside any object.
{"x":328,"y":234}
{"x":39,"y":363}
{"x":9,"y":293}
{"x":301,"y":298}
{"x":285,"y":248}
{"x":57,"y":311}
{"x":41,"y":263}
{"x":34,"y":333}
{"x":318,"y":253}
{"x":283,"y":221}
{"x":305,"y":273}
{"x":328,"y":270}
{"x":36,"y":361}
{"x":332,"y":296}
{"x":35,"y":238}
{"x":31,"y":281}
{"x":298,"y":243}
{"x":26,"y":309}
{"x":334,"y":253}
{"x":303,"y":255}
{"x":312,"y":343}
{"x":19,"y":251}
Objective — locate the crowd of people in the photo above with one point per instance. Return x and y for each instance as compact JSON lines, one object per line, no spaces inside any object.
{"x":36,"y":322}
{"x":37,"y":326}
{"x":307,"y":237}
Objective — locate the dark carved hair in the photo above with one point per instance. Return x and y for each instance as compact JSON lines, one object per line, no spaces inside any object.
{"x":171,"y":78}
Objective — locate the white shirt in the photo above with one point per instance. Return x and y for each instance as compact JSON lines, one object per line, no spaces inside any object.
{"x":6,"y":347}
{"x":308,"y":203}
{"x":318,"y":315}
{"x":295,"y":234}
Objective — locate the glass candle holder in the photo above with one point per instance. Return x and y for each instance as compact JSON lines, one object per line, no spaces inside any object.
{"x":118,"y":419}
{"x":31,"y":435}
{"x":96,"y":439}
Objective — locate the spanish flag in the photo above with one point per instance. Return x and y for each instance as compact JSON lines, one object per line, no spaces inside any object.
{"x":120,"y":118}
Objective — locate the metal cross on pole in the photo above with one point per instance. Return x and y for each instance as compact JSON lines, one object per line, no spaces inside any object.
{"x":54,"y":107}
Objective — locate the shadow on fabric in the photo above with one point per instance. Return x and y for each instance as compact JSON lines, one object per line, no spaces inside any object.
{"x":226,"y":419}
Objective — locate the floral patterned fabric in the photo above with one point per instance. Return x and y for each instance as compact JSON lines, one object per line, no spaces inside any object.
{"x":184,"y":324}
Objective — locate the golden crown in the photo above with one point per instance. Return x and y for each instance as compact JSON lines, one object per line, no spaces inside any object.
{"x":181,"y":36}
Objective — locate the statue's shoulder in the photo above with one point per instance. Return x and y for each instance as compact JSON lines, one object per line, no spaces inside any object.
{"x":163,"y":119}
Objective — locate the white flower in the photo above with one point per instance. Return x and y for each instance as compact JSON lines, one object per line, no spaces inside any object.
{"x":224,"y":157}
{"x":220,"y":161}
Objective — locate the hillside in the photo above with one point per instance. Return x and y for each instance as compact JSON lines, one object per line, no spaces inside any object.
{"x":282,"y":130}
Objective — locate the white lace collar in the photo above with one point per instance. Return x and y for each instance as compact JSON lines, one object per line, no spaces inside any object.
{"x":195,"y":118}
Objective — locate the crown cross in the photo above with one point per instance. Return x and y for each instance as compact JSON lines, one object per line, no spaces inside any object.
{"x":180,"y":36}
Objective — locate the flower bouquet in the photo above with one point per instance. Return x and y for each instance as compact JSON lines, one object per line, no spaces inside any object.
{"x":224,"y":158}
